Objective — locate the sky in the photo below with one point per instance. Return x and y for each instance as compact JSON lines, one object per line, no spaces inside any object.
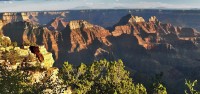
{"x":40,"y":5}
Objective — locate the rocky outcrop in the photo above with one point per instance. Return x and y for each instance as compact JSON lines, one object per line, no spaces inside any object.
{"x":153,"y":19}
{"x":52,"y":37}
{"x":33,"y":34}
{"x":57,"y":24}
{"x":124,"y":29}
{"x":11,"y":17}
{"x":1,"y":25}
{"x":27,"y":60}
{"x":32,"y":17}
{"x":36,"y":51}
{"x":154,"y":34}
{"x":136,"y":19}
{"x":14,"y":17}
{"x":48,"y":59}
{"x":82,"y":34}
{"x":101,"y":53}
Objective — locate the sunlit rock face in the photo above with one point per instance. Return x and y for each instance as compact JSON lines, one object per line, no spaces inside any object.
{"x":33,"y":17}
{"x":15,"y":17}
{"x":61,"y":37}
{"x":124,"y":29}
{"x":32,"y":33}
{"x":25,"y":53}
{"x":1,"y":25}
{"x":11,"y":17}
{"x":82,"y":34}
{"x":38,"y":54}
{"x":152,"y":34}
{"x":57,"y":24}
{"x":48,"y":59}
{"x":67,"y":38}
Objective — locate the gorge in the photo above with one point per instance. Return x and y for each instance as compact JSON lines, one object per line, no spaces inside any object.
{"x":147,"y":46}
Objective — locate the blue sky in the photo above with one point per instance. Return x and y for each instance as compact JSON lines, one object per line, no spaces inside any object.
{"x":35,"y":5}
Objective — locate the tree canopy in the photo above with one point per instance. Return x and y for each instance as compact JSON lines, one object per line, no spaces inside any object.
{"x":101,"y":77}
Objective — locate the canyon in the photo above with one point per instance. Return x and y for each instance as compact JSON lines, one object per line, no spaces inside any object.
{"x":147,"y":45}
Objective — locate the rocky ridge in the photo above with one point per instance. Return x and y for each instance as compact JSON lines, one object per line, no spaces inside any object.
{"x":82,"y":34}
{"x":153,"y":33}
{"x":59,"y":36}
{"x":56,"y":24}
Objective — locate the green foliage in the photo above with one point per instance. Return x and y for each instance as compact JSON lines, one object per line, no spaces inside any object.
{"x":12,"y":56}
{"x":5,"y":42}
{"x":57,"y":87}
{"x":190,"y":85}
{"x":13,"y":82}
{"x":158,"y":86}
{"x":14,"y":44}
{"x":18,"y":82}
{"x":159,"y":89}
{"x":101,"y":77}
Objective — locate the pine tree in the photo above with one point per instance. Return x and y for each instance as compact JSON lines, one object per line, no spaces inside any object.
{"x":101,"y":77}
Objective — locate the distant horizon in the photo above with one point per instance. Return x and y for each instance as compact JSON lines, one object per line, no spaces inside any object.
{"x":197,"y":9}
{"x":56,"y":5}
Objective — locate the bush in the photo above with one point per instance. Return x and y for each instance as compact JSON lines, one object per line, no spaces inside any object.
{"x":190,"y":85}
{"x":13,"y":82}
{"x":101,"y":77}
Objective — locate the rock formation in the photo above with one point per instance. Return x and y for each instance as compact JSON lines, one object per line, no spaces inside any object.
{"x":34,"y":61}
{"x":33,"y":34}
{"x":1,"y":25}
{"x":101,"y":53}
{"x":59,"y":36}
{"x":11,"y":17}
{"x":15,"y":17}
{"x":57,"y":24}
{"x":36,"y":51}
{"x":153,"y":33}
{"x":82,"y":34}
